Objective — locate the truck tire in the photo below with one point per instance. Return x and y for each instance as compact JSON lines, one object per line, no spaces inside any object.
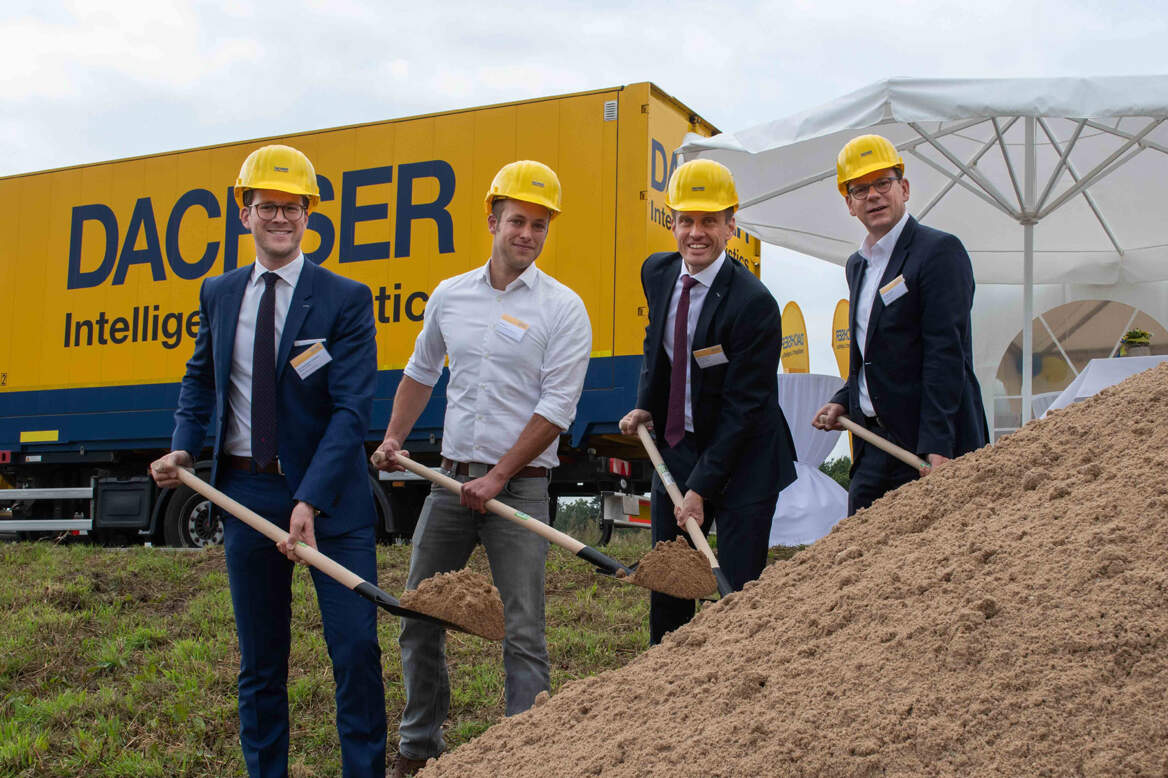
{"x":190,"y":522}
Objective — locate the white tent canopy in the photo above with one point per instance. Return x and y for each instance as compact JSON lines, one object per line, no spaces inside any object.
{"x":1046,"y":181}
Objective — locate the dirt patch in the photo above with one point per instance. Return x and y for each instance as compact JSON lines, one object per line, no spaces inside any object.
{"x":1003,"y":616}
{"x":675,"y":568}
{"x":464,"y":597}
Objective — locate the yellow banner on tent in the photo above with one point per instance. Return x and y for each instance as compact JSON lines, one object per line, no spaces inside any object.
{"x":841,"y":337}
{"x":795,"y":358}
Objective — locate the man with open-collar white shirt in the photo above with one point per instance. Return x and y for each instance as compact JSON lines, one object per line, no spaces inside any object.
{"x":518,"y":342}
{"x":911,"y":374}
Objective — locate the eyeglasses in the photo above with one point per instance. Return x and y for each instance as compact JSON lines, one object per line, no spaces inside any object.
{"x":267,"y":211}
{"x":881,"y":185}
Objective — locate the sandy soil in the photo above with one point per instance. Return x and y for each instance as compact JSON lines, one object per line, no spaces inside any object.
{"x":464,"y":597}
{"x":675,"y":568}
{"x":1006,"y":615}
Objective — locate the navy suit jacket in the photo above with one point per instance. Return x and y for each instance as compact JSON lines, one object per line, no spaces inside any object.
{"x":321,"y":419}
{"x":919,"y":363}
{"x":746,"y":451}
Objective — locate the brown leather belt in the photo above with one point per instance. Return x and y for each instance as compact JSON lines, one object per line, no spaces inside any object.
{"x":248,"y":465}
{"x":463,"y":468}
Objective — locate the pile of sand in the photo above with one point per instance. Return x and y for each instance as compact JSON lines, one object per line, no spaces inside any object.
{"x":677,"y":569}
{"x":464,"y":597}
{"x":1004,"y":616}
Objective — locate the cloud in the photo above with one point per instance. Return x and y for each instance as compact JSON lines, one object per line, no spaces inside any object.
{"x":86,"y":82}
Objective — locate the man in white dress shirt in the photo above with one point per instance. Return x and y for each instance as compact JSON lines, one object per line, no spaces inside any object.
{"x":518,"y":342}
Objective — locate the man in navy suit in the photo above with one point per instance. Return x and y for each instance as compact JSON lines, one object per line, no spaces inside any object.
{"x":911,"y":287}
{"x":286,"y":358}
{"x":709,"y":387}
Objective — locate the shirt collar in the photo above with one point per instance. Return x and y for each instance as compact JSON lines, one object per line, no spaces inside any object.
{"x":290,"y":273}
{"x":529,"y":277}
{"x":888,"y":242}
{"x":706,"y":276}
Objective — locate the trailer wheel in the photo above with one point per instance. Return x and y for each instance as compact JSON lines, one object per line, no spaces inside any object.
{"x":190,"y":522}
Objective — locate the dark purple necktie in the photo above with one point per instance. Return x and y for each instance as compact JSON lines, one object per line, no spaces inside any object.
{"x":675,"y":421}
{"x":263,"y":378}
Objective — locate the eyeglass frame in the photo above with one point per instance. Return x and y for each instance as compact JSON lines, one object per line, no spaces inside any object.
{"x":282,"y":208}
{"x":881,"y":185}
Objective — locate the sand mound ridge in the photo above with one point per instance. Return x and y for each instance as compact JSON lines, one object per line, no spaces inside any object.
{"x":1004,"y":616}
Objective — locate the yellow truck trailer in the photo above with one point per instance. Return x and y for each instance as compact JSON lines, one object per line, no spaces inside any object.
{"x":101,"y":267}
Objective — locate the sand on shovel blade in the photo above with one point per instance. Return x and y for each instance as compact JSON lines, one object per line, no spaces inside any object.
{"x":464,"y":597}
{"x":676,"y":569}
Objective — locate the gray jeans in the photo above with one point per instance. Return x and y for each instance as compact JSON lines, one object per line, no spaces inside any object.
{"x":445,"y":536}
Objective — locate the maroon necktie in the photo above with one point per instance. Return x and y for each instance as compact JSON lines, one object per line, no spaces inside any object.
{"x":675,"y":420}
{"x":263,"y":378}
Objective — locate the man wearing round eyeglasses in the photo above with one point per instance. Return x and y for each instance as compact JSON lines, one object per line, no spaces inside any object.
{"x":286,"y":357}
{"x":911,"y":374}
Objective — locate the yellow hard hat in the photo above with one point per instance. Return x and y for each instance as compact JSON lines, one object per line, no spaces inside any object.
{"x":863,"y":155}
{"x":526,"y":180}
{"x":281,"y":168}
{"x":701,"y":185}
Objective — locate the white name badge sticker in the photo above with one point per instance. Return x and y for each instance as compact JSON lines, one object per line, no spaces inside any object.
{"x":511,"y":328}
{"x":708,"y":357}
{"x":308,"y":341}
{"x":893,"y":290}
{"x":311,"y":359}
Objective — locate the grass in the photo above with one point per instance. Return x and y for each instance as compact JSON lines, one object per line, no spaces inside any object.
{"x":122,"y":662}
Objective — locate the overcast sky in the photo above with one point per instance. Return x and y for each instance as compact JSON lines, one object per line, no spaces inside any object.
{"x":87,"y":81}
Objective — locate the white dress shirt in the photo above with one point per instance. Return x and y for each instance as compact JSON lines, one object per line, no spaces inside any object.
{"x":237,"y":439}
{"x":697,"y":297}
{"x":501,"y":371}
{"x":877,"y":256}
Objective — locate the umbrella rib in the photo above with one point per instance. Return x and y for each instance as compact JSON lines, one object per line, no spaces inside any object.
{"x":961,"y":181}
{"x":1104,"y":168}
{"x":1150,"y":144}
{"x":982,"y":181}
{"x":1000,"y":133}
{"x":1064,"y":158}
{"x":973,"y":161}
{"x":812,"y":179}
{"x":1063,"y":155}
{"x":815,"y":178}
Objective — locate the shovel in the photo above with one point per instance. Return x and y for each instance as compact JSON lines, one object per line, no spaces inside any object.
{"x":307,"y":553}
{"x":691,"y":526}
{"x":910,"y":459}
{"x":587,"y":553}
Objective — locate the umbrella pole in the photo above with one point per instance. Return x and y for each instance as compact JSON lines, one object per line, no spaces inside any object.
{"x":1030,"y":191}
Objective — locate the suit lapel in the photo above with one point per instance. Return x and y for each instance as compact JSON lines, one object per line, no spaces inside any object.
{"x":660,"y":310}
{"x":895,"y":265}
{"x":714,"y":297}
{"x":228,"y":322}
{"x":297,"y":311}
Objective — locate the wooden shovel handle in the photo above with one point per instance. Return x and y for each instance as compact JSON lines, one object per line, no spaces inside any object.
{"x":910,"y":459}
{"x":257,"y":522}
{"x":549,"y":533}
{"x":691,"y":526}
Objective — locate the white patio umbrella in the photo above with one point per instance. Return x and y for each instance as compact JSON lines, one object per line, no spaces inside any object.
{"x":1046,"y":181}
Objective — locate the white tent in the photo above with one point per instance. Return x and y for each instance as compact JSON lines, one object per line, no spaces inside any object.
{"x":1056,"y":187}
